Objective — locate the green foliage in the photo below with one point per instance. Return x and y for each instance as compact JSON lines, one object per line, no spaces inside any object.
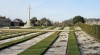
{"x":93,"y":30}
{"x":40,"y":47}
{"x":33,"y":20}
{"x":72,"y":44}
{"x":45,"y":22}
{"x":67,"y":22}
{"x":39,"y":27}
{"x":77,"y":19}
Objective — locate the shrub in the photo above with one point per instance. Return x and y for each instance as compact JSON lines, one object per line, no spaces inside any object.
{"x":77,"y":19}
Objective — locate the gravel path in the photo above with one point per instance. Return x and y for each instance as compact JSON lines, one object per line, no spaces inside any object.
{"x":87,"y":44}
{"x":60,"y":45}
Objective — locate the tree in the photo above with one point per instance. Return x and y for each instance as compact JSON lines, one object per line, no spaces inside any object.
{"x":67,"y":22}
{"x":42,"y":21}
{"x":56,"y":24}
{"x":37,"y":23}
{"x":33,"y":20}
{"x":45,"y":22}
{"x":77,"y":19}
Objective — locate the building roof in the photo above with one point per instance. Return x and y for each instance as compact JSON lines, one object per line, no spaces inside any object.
{"x":18,"y":20}
{"x":4,"y":18}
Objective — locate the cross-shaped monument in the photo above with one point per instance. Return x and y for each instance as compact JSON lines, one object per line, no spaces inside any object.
{"x":28,"y":23}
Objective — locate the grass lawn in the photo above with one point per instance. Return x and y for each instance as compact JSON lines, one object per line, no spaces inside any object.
{"x":40,"y":47}
{"x":72,"y":44}
{"x":39,"y":27}
{"x":11,"y":43}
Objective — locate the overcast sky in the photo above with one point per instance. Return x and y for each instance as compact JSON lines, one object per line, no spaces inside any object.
{"x":56,"y":10}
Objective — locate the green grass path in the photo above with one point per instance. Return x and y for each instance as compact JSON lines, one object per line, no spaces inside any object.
{"x":72,"y":44}
{"x":40,"y":47}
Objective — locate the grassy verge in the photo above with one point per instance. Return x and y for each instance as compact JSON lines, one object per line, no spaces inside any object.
{"x":40,"y":47}
{"x":8,"y":33}
{"x":52,"y":27}
{"x":72,"y":44}
{"x":39,"y":27}
{"x":16,"y":35}
{"x":11,"y":43}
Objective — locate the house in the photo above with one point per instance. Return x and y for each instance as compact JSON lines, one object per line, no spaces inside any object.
{"x":4,"y":21}
{"x":17,"y":22}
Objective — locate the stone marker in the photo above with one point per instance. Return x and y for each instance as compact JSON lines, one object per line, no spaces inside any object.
{"x":28,"y":23}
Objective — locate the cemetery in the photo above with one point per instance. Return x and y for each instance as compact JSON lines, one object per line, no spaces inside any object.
{"x":88,"y":45}
{"x":49,"y":27}
{"x":74,"y":39}
{"x":50,"y":40}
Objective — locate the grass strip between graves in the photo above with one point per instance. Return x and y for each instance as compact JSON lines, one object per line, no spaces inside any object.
{"x":72,"y":44}
{"x":14,"y":42}
{"x":5,"y":33}
{"x":39,"y":27}
{"x":20,"y":34}
{"x":40,"y":47}
{"x":16,"y":35}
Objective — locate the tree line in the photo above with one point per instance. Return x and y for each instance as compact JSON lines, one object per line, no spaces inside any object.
{"x":47,"y":22}
{"x":42,"y":22}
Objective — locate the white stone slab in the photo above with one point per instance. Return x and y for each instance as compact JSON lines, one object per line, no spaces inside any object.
{"x":60,"y":45}
{"x":88,"y":45}
{"x":18,"y":48}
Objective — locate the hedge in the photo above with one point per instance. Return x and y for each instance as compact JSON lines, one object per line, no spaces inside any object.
{"x":93,"y":30}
